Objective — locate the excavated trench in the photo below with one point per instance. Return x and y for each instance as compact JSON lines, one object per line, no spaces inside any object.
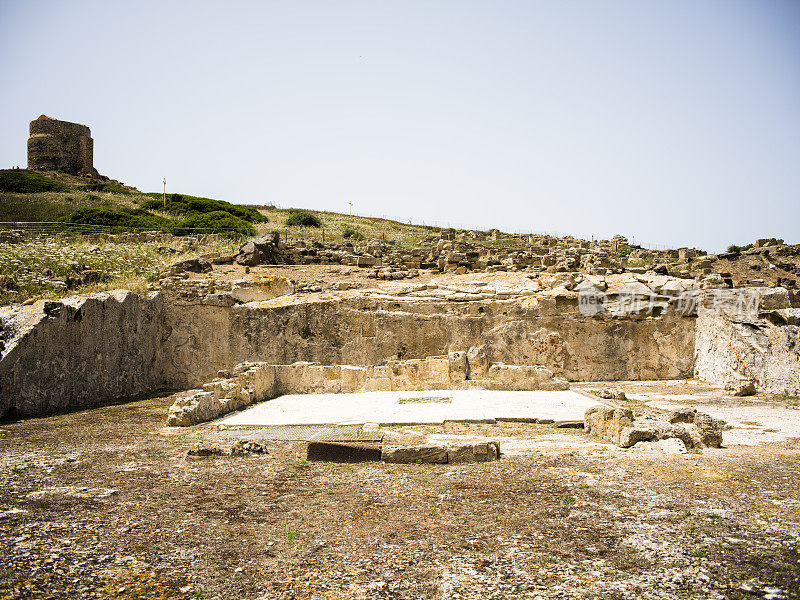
{"x":89,"y":350}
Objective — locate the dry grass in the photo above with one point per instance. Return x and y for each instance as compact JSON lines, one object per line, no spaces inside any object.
{"x":40,"y":267}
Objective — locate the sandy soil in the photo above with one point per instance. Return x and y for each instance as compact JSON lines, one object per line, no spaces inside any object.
{"x":100,"y":504}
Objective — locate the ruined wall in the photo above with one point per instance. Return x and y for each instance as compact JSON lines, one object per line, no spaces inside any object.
{"x":751,"y":338}
{"x":202,"y":339}
{"x":84,"y":351}
{"x":77,"y":352}
{"x":56,"y":145}
{"x":256,"y":382}
{"x":360,"y":331}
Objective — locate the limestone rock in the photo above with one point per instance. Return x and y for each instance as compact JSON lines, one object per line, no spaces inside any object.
{"x":249,"y":255}
{"x":633,"y":435}
{"x":706,"y":431}
{"x":682,"y":415}
{"x":666,"y":431}
{"x":477,"y":361}
{"x":457,"y":362}
{"x":664,"y":446}
{"x":414,"y":454}
{"x":613,"y":394}
{"x":467,"y":453}
{"x":259,"y":289}
{"x":366,"y":261}
{"x":189,"y":265}
{"x":261,"y":250}
{"x":620,"y":427}
{"x":741,"y":387}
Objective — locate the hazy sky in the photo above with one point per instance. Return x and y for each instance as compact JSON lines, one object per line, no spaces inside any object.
{"x":672,"y":122}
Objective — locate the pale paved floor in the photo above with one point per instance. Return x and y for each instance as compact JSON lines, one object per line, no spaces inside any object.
{"x":385,"y":408}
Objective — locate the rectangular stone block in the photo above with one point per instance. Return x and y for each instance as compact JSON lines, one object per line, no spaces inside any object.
{"x":345,"y":453}
{"x":414,"y":454}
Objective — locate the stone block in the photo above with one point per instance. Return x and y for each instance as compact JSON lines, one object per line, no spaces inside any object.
{"x":632,"y":435}
{"x":477,"y":362}
{"x":261,"y":288}
{"x":353,"y":378}
{"x":706,"y":431}
{"x":478,"y":452}
{"x":414,"y":454}
{"x":457,"y":367}
{"x":344,"y":453}
{"x":377,"y":384}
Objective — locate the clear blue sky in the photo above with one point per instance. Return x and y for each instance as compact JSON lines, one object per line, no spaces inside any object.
{"x":674,"y":122}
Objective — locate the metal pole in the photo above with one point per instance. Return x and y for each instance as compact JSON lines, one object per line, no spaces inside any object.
{"x":165,"y":193}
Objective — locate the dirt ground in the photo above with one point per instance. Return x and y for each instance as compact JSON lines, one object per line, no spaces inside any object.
{"x":101,"y":504}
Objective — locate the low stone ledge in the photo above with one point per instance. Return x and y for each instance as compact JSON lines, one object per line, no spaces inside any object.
{"x":446,"y":454}
{"x":256,"y":382}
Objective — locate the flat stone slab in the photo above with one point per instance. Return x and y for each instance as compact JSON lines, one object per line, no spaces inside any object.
{"x":410,"y":408}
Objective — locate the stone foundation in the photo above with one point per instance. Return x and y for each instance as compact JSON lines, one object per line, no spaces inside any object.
{"x":256,"y":382}
{"x":84,"y":351}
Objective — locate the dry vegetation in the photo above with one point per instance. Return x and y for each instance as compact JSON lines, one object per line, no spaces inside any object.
{"x":98,"y":504}
{"x":57,"y":266}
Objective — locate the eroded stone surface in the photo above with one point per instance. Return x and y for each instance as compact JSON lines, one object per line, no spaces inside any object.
{"x":192,"y":328}
{"x":622,"y":427}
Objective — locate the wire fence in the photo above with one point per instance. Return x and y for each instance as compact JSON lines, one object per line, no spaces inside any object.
{"x":45,"y":228}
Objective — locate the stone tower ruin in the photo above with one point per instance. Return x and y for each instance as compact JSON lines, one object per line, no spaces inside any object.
{"x":56,"y":145}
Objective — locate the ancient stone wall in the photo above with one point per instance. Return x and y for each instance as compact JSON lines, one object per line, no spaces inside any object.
{"x":361,"y":331}
{"x":83,"y":351}
{"x":56,"y":145}
{"x":77,"y":352}
{"x":749,"y":336}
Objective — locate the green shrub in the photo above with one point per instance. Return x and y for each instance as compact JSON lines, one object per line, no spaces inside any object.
{"x":180,"y":204}
{"x":111,"y":187}
{"x":735,"y":248}
{"x":353,"y":235}
{"x":623,"y":251}
{"x":301,"y":218}
{"x":218,"y":221}
{"x":22,"y":182}
{"x":124,"y":218}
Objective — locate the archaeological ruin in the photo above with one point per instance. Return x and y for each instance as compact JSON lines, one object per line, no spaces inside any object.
{"x":56,"y":145}
{"x":521,"y":332}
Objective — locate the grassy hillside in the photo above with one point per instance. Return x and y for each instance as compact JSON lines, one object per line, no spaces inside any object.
{"x":57,"y":197}
{"x":53,"y":196}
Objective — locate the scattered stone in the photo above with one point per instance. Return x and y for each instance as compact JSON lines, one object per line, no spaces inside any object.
{"x":242,"y":447}
{"x":741,"y":388}
{"x":189,"y":265}
{"x":621,"y":427}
